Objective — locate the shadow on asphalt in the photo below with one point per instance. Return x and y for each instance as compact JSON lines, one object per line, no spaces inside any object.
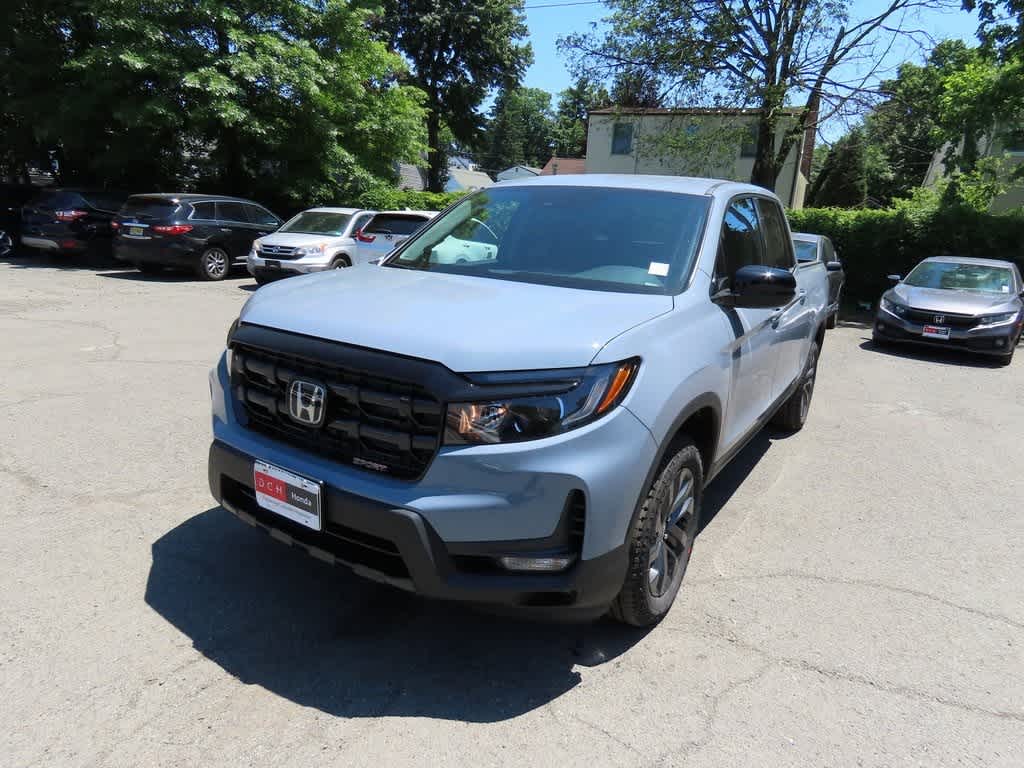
{"x":932,"y":355}
{"x":165,"y":276}
{"x":324,"y":638}
{"x":39,"y":259}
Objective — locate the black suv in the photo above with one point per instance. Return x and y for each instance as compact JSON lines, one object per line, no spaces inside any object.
{"x":206,"y":233}
{"x":12,"y":197}
{"x":70,"y":221}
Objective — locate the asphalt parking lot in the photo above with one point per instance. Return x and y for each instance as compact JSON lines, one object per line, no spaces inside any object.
{"x":856,"y":597}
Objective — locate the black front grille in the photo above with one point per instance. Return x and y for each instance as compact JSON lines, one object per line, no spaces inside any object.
{"x":930,"y":317}
{"x":373,"y":423}
{"x":277,"y":251}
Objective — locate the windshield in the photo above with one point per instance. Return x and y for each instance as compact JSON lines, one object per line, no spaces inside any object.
{"x":628,"y":240}
{"x":961,"y":277}
{"x":317,"y":223}
{"x":806,"y":251}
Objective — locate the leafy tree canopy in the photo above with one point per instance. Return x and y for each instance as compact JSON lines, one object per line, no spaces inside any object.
{"x":458,"y":50}
{"x":574,"y":105}
{"x":842,"y":181}
{"x":521,"y":129}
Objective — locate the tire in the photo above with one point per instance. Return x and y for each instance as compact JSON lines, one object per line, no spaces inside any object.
{"x":260,"y":280}
{"x":654,"y":539}
{"x":149,"y":269}
{"x":877,"y":340}
{"x":341,"y":262}
{"x":832,"y":320}
{"x":1007,"y":359}
{"x":214,"y":264}
{"x":6,"y":244}
{"x":793,"y":413}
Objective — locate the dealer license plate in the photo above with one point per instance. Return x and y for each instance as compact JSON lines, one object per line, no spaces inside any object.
{"x":935,"y":332}
{"x":135,"y":231}
{"x":287,"y":494}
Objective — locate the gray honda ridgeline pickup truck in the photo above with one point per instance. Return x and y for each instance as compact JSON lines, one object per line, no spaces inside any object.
{"x":534,"y":424}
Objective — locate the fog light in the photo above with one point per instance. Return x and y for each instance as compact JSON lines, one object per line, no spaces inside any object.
{"x":548,"y":563}
{"x":1000,"y":342}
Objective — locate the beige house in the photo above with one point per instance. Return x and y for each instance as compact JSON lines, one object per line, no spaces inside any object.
{"x":1007,"y":146}
{"x":715,"y":143}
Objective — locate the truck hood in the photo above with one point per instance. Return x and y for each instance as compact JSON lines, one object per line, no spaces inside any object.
{"x":299,"y":239}
{"x":953,"y":302}
{"x":469,"y":324}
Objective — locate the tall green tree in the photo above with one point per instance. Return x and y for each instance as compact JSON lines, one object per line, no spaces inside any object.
{"x":574,"y":106}
{"x":520,"y":130}
{"x":904,"y":131}
{"x":842,"y":181}
{"x":459,"y":50}
{"x":285,"y":99}
{"x":761,"y":54}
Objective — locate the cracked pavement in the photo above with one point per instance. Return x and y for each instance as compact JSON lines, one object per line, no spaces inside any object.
{"x":855,"y":598}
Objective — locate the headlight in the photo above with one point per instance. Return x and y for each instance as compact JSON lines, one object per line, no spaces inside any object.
{"x":256,"y":246}
{"x":1000,"y":318}
{"x":573,"y":398}
{"x":310,"y":250}
{"x":893,"y":307}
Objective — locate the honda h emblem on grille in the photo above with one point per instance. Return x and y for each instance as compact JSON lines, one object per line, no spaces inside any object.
{"x":306,"y":402}
{"x":939,"y":318}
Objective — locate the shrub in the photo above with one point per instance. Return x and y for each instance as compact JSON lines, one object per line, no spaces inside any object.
{"x":875,"y":243}
{"x":382,"y":198}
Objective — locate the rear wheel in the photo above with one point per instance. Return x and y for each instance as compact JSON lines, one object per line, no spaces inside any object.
{"x":661,"y":539}
{"x":214,"y":264}
{"x":793,"y":413}
{"x":341,"y":262}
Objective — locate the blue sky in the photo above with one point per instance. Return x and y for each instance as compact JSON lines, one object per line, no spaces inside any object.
{"x":548,"y":24}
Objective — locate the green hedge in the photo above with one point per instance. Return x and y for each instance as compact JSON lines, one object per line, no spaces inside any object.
{"x":876,"y":243}
{"x":387,"y":199}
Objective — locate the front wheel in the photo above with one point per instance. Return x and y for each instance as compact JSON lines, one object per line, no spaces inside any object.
{"x":793,"y":413}
{"x":213,"y":264}
{"x":661,"y":539}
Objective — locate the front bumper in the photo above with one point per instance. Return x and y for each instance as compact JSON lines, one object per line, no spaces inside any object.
{"x":997,"y":340}
{"x":258,"y":267}
{"x":399,"y":547}
{"x":441,"y":536}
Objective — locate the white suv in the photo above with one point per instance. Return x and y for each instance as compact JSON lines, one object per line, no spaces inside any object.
{"x":312,"y":241}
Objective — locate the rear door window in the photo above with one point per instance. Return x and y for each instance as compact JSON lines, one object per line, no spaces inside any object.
{"x":806,"y":252}
{"x":203,"y":211}
{"x":233,"y":212}
{"x":260,"y":215}
{"x":395,"y":224}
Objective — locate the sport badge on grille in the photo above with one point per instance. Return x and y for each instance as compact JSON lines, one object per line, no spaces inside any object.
{"x":306,"y":402}
{"x":939,"y":319}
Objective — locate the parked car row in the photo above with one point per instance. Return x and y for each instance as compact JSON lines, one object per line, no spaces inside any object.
{"x":208,"y":234}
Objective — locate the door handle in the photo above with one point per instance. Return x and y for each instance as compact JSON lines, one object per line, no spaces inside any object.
{"x":225,"y":229}
{"x":803,"y":295}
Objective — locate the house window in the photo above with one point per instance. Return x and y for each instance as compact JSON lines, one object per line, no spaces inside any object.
{"x":622,"y":139}
{"x":749,"y":146}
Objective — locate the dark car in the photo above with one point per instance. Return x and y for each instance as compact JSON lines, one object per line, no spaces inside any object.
{"x":12,"y":198}
{"x":70,"y":221}
{"x":955,"y":302}
{"x":208,"y":234}
{"x":814,"y":248}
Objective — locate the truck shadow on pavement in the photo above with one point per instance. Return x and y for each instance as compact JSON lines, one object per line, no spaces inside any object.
{"x":324,"y":638}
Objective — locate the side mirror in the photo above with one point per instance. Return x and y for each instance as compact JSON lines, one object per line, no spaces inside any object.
{"x":895,"y":278}
{"x":834,"y":266}
{"x":756,"y":287}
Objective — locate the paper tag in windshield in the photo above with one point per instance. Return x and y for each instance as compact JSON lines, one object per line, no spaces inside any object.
{"x":658,"y":268}
{"x":1004,"y":288}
